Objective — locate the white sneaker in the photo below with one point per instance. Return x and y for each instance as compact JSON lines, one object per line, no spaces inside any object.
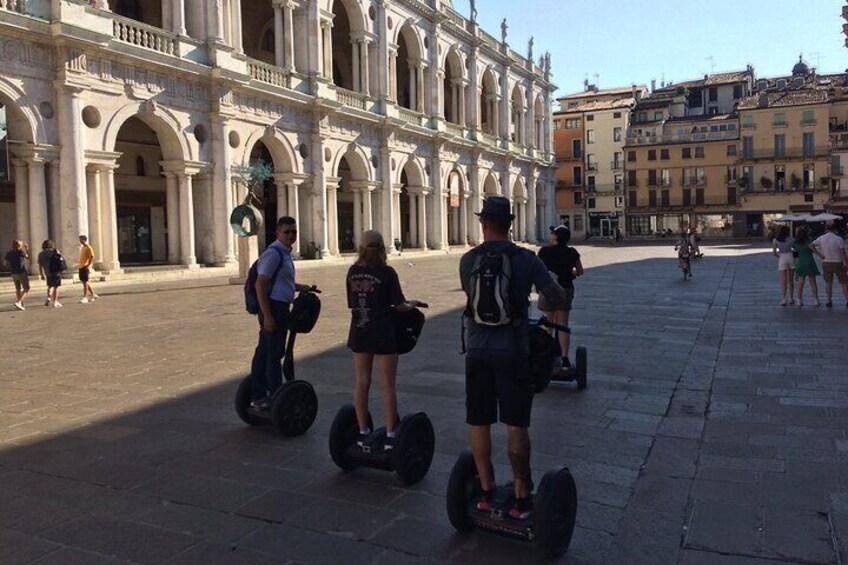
{"x":19,"y":306}
{"x":84,"y":300}
{"x":57,"y":304}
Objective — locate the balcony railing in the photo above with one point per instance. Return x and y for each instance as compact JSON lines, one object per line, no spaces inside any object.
{"x":408,"y":115}
{"x":454,"y":129}
{"x":350,"y":98}
{"x":269,"y":74}
{"x":145,"y":36}
{"x":682,"y":138}
{"x":617,"y":165}
{"x":840,"y":143}
{"x":562,"y":157}
{"x":592,"y":167}
{"x":837,"y":171}
{"x":788,"y":153}
{"x":18,"y":6}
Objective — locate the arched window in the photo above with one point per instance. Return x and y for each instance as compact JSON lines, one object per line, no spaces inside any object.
{"x":139,"y":166}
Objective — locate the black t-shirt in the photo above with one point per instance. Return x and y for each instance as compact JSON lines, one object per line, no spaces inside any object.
{"x":560,"y":260}
{"x":371,"y":293}
{"x":17,"y":261}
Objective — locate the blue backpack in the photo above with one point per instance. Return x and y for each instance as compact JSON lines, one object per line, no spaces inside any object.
{"x":251,"y":300}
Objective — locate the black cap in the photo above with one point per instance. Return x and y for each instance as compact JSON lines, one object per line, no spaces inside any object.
{"x":562,"y":232}
{"x":496,"y":207}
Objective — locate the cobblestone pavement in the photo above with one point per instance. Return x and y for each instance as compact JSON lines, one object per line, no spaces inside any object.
{"x":713,"y":429}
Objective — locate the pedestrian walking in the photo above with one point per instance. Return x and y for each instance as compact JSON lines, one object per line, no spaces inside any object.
{"x":373,"y":296}
{"x":831,"y":249}
{"x":86,"y":261}
{"x":781,"y":247}
{"x":51,"y":264}
{"x":805,"y":265}
{"x":497,"y":277}
{"x":16,"y":260}
{"x":564,"y":263}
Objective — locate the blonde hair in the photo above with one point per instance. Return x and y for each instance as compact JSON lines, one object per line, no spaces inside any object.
{"x":372,"y":250}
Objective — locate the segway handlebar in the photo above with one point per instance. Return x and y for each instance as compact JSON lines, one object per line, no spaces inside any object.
{"x":543,"y":321}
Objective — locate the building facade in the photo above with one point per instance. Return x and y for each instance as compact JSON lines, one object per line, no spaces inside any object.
{"x":598,"y":189}
{"x":129,"y":120}
{"x":568,"y":147}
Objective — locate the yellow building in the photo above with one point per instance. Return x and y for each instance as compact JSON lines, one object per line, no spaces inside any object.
{"x":784,"y":152}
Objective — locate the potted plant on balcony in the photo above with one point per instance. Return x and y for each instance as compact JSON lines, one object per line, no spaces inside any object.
{"x":766,"y":182}
{"x":794,"y":181}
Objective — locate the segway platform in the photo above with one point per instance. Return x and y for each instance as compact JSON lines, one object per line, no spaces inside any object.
{"x":576,"y":372}
{"x":550,"y":525}
{"x":410,"y":458}
{"x":293,"y":408}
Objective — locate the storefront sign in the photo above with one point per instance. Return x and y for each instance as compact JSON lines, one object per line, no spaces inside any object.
{"x":604,"y":214}
{"x":453,"y":185}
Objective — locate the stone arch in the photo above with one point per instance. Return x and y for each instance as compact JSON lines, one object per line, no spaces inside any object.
{"x":347,"y":63}
{"x":408,"y":67}
{"x":454,"y":86}
{"x":174,"y":141}
{"x":538,"y":122}
{"x":457,"y":205}
{"x":283,"y":153}
{"x":491,"y":186}
{"x":519,"y":188}
{"x":25,"y":121}
{"x":413,"y":170}
{"x":357,"y":160}
{"x":489,"y":102}
{"x":518,"y":107}
{"x":356,"y":15}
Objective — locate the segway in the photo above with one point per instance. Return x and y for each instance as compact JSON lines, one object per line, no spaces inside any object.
{"x":415,"y":439}
{"x":550,"y":525}
{"x":544,"y":352}
{"x":294,"y":405}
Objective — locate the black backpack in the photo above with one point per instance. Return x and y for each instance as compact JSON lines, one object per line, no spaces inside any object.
{"x":304,"y":313}
{"x":408,"y":326}
{"x":489,"y":295}
{"x":251,"y":301}
{"x":544,"y":350}
{"x":58,"y":263}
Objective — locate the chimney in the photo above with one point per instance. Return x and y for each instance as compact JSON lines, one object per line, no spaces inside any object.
{"x":653,"y":84}
{"x":586,"y":84}
{"x":638,"y":95}
{"x":763,"y":102}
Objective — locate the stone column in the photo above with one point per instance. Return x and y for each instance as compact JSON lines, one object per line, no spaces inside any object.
{"x":95,"y":238}
{"x":187,"y":257}
{"x":21,"y":202}
{"x":413,"y":91}
{"x":357,"y":216}
{"x":222,"y":198}
{"x":38,"y":229}
{"x":463,"y":88}
{"x":172,"y":194}
{"x":525,"y":228}
{"x":367,"y":210}
{"x":215,"y":21}
{"x":354,"y":55}
{"x":72,"y":183}
{"x":178,"y":16}
{"x":463,"y":218}
{"x":289,"y":37}
{"x":282,"y":199}
{"x":439,"y":212}
{"x":532,"y":229}
{"x":391,"y":76}
{"x":108,"y":221}
{"x":476,"y":201}
{"x":413,"y":218}
{"x":320,"y":214}
{"x":235,"y":23}
{"x":294,"y":212}
{"x":437,"y":102}
{"x":422,"y":219}
{"x":327,"y":33}
{"x":388,"y":224}
{"x":364,"y":75}
{"x":332,"y":218}
{"x":279,"y":42}
{"x":396,"y":221}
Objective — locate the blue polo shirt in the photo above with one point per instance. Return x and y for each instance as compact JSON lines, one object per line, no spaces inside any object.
{"x":283,"y":289}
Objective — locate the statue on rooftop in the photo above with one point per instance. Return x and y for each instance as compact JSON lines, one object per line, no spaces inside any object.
{"x":530,"y":48}
{"x":473,"y":10}
{"x":504,"y":29}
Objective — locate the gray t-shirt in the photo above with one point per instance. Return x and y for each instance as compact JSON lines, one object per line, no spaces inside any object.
{"x":784,"y":246}
{"x":504,"y":341}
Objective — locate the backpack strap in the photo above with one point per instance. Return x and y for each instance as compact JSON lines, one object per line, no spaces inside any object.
{"x":279,"y":265}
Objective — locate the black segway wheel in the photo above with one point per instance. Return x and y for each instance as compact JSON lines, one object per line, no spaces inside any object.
{"x":555,"y":513}
{"x":294,"y":408}
{"x":343,"y":434}
{"x":461,"y":487}
{"x":242,"y":403}
{"x":581,"y":366}
{"x":414,"y":446}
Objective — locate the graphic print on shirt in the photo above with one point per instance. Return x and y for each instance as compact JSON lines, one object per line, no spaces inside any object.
{"x":363,"y":288}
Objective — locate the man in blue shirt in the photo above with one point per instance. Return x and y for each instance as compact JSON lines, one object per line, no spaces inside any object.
{"x":275,"y":289}
{"x":498,"y":383}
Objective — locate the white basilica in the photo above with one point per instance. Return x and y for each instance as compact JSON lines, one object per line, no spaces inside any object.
{"x":126,"y":120}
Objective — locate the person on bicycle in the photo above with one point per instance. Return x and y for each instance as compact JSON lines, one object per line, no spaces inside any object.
{"x":684,"y":251}
{"x":564,"y":262}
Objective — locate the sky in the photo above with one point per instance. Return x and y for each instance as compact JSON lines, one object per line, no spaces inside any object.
{"x":633,"y":41}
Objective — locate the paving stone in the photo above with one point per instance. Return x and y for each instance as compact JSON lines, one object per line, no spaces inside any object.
{"x":199,"y":522}
{"x":126,"y":540}
{"x":647,"y":536}
{"x":209,"y":553}
{"x":71,"y":556}
{"x":796,"y":536}
{"x":26,"y":547}
{"x":724,"y":528}
{"x":299,"y":545}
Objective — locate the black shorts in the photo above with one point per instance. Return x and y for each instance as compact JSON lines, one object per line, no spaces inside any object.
{"x":498,"y":386}
{"x":53,"y":280}
{"x":83,"y":275}
{"x":378,"y":337}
